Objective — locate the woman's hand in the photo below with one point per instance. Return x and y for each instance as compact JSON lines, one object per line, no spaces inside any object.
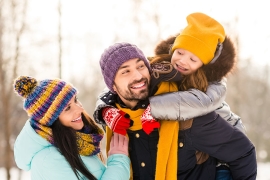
{"x":118,"y":145}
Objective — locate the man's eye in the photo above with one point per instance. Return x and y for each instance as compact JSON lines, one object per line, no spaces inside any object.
{"x":141,"y":66}
{"x":125,"y":72}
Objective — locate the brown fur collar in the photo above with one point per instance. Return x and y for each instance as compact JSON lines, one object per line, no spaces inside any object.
{"x":214,"y":72}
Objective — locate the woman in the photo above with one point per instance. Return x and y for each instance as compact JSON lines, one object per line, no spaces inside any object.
{"x":60,"y":140}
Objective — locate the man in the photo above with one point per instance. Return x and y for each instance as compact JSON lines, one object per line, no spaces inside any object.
{"x":126,"y":73}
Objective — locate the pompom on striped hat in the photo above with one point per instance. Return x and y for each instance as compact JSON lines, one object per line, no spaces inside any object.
{"x":43,"y":101}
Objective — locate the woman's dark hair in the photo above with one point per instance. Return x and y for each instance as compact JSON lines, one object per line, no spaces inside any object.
{"x":65,"y":140}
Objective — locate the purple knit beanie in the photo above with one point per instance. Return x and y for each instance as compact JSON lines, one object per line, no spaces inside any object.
{"x":114,"y":56}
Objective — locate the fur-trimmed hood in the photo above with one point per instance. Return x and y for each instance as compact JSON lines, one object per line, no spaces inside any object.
{"x":214,"y":72}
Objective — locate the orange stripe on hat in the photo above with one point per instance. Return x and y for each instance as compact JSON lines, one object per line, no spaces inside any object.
{"x":55,"y":104}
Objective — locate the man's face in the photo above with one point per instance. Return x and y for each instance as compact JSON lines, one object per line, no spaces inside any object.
{"x":132,"y":82}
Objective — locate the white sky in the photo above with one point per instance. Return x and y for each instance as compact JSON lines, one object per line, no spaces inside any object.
{"x":87,"y":21}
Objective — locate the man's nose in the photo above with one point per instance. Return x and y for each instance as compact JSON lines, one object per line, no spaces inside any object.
{"x":138,"y":75}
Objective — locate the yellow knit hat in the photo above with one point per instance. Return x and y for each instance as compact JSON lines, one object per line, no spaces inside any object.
{"x":201,"y":36}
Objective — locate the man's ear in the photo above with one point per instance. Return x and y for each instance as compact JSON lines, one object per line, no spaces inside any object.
{"x":114,"y":88}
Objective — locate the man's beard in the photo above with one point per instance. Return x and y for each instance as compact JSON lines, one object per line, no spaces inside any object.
{"x":129,"y":95}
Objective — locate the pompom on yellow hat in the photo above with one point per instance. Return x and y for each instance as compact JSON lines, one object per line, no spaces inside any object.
{"x":202,"y":36}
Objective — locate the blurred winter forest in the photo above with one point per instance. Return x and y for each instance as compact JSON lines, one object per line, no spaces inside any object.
{"x":48,"y":39}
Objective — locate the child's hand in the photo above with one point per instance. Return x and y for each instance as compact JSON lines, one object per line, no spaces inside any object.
{"x":148,"y":121}
{"x":118,"y":145}
{"x":117,"y":120}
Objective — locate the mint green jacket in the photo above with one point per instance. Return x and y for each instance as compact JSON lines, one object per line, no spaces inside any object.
{"x":45,"y":162}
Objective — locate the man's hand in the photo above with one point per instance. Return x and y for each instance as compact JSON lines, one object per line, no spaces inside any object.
{"x":148,"y":121}
{"x":117,"y":120}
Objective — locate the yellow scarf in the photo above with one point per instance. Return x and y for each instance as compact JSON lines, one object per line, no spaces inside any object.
{"x":88,"y":143}
{"x":137,"y":125}
{"x":166,"y":166}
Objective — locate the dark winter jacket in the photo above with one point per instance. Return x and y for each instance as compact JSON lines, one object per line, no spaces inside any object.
{"x":210,"y":134}
{"x":217,"y":138}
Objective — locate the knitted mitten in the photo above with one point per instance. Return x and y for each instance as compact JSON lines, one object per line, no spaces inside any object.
{"x":148,"y":121}
{"x":117,"y":120}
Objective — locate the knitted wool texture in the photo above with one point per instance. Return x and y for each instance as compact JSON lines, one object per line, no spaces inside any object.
{"x":201,"y":36}
{"x":114,"y":56}
{"x":43,"y":101}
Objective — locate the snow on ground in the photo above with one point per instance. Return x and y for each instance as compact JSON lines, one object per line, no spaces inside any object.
{"x":263,"y":173}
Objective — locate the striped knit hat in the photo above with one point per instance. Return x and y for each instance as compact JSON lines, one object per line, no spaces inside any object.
{"x":44,"y":101}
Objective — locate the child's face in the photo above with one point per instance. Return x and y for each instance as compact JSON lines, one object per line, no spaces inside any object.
{"x":185,"y":61}
{"x":71,"y":116}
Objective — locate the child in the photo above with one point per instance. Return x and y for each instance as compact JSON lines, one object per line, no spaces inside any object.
{"x":202,"y":53}
{"x":60,"y":140}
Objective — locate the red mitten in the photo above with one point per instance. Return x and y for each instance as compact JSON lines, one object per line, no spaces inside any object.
{"x":148,"y":122}
{"x":117,"y":120}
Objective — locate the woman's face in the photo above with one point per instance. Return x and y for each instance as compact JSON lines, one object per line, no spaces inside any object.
{"x":71,"y":116}
{"x":185,"y":61}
